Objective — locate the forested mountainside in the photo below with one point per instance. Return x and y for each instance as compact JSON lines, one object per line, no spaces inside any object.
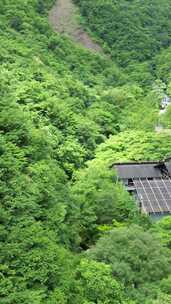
{"x":132,"y":30}
{"x":69,"y":232}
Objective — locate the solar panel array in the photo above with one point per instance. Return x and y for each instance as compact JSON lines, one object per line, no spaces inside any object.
{"x":154,"y":195}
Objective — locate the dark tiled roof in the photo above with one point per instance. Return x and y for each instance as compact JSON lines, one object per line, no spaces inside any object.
{"x":168,"y":167}
{"x":154,"y":195}
{"x":143,"y":170}
{"x":151,"y":184}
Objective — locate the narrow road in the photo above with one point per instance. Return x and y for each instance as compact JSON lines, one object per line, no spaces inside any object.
{"x":64,"y":17}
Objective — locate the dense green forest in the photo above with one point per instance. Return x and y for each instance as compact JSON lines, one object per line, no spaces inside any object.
{"x":69,"y":232}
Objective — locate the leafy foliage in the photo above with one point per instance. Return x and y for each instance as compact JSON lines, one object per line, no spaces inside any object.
{"x":132,"y":30}
{"x":61,"y":106}
{"x":137,"y":258}
{"x":134,"y":145}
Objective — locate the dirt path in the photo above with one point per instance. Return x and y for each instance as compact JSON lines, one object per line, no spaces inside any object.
{"x":64,"y":18}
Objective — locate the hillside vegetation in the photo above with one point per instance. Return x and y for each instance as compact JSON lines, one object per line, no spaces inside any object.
{"x":132,"y":30}
{"x":66,"y":115}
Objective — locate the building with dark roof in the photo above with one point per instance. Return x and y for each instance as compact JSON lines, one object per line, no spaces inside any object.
{"x":149,"y":183}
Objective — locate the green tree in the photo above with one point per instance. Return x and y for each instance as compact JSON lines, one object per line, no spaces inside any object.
{"x":100,"y":199}
{"x":137,"y":258}
{"x":98,"y":284}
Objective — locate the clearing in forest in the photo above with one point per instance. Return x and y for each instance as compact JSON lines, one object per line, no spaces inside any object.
{"x":64,"y":18}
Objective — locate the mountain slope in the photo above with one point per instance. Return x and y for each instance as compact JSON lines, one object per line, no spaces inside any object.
{"x":132,"y":30}
{"x":60,"y":105}
{"x":64,"y":18}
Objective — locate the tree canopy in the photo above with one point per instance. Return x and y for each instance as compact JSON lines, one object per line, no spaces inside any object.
{"x":69,"y":231}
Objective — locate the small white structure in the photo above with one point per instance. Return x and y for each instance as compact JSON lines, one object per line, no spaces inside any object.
{"x":165,"y":102}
